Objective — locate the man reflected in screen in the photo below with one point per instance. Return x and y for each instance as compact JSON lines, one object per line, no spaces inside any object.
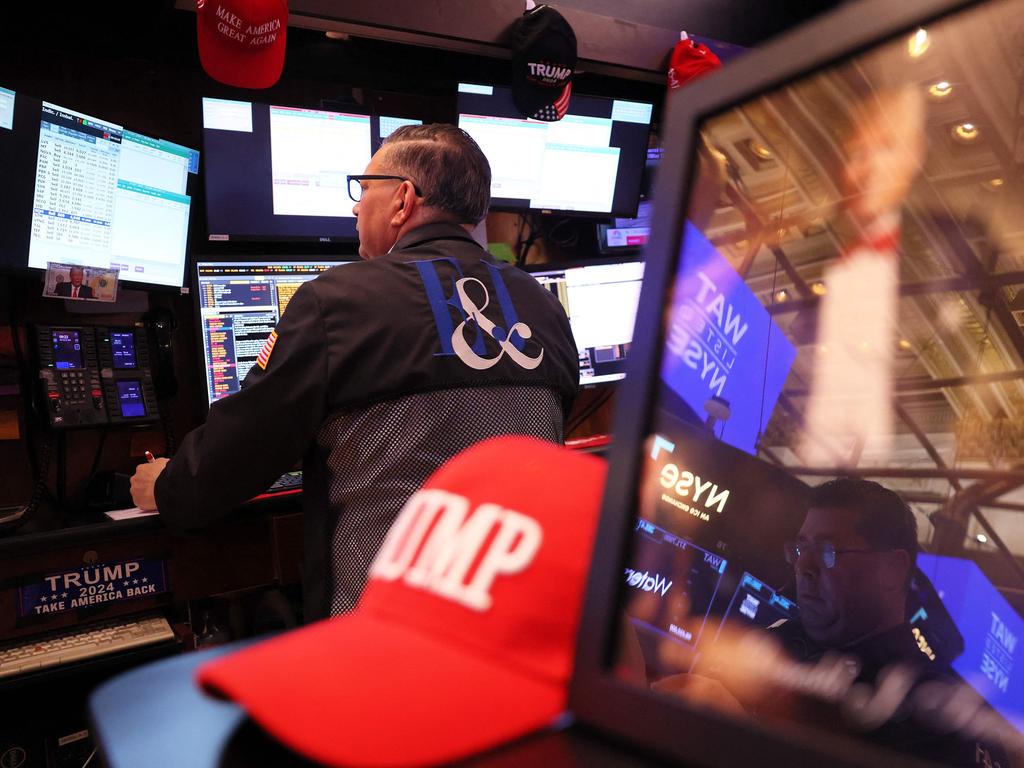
{"x":851,"y":662}
{"x":852,"y":560}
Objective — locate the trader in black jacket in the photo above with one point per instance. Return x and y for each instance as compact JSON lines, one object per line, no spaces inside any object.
{"x":382,"y":370}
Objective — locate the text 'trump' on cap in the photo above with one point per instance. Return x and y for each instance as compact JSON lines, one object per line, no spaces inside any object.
{"x":465,"y":634}
{"x":543,"y":60}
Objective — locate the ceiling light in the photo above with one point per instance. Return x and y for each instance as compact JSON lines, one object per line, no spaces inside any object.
{"x":761,"y":150}
{"x":993,"y":184}
{"x":982,"y":538}
{"x":918,"y":43}
{"x":904,"y":344}
{"x":818,"y":288}
{"x":941,"y":89}
{"x":965,"y":132}
{"x":781,"y":295}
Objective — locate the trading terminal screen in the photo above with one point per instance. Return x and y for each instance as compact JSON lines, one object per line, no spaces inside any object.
{"x":240,"y":303}
{"x":108,"y":197}
{"x":122,"y":347}
{"x":279,"y":172}
{"x":590,"y":161}
{"x":601,"y":302}
{"x":130,"y":398}
{"x":675,"y":581}
{"x":67,"y":350}
{"x":85,"y":190}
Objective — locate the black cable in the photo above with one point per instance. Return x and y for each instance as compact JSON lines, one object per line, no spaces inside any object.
{"x":531,"y":238}
{"x":62,"y":457}
{"x":39,"y":491}
{"x":99,"y":451}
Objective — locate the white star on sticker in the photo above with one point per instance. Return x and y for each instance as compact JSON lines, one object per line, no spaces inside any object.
{"x":144,"y":579}
{"x":43,"y":599}
{"x":126,"y":582}
{"x":64,"y":594}
{"x":135,"y":581}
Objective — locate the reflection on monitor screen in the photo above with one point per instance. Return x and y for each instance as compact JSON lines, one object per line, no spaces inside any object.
{"x":601,"y":302}
{"x":989,"y":626}
{"x":871,"y":590}
{"x":590,"y":161}
{"x":240,"y":303}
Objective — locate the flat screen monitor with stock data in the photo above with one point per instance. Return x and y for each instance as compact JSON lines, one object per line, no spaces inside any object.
{"x":86,"y":190}
{"x":240,"y":303}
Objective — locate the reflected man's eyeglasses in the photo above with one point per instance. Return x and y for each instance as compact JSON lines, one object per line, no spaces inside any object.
{"x":355,"y":184}
{"x":823,"y":552}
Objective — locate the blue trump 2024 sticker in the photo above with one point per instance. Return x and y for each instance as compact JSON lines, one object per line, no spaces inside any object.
{"x":92,"y":585}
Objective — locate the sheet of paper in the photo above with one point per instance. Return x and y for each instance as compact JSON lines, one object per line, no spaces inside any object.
{"x":128,"y":514}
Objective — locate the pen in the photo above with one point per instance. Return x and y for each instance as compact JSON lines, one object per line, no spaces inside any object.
{"x":149,"y":457}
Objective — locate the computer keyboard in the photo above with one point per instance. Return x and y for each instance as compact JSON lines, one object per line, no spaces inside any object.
{"x":286,"y":482}
{"x":79,"y":643}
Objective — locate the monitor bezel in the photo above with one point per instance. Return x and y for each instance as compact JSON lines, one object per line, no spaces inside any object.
{"x":597,"y":698}
{"x":591,"y":215}
{"x":249,"y":258}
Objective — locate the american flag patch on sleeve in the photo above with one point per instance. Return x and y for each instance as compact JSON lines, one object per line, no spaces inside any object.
{"x":268,"y":346}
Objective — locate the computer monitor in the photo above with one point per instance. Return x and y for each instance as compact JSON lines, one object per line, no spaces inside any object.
{"x":589,"y":162}
{"x":630,"y":234}
{"x":240,"y":303}
{"x":626,"y":234}
{"x":601,"y":301}
{"x":98,"y":194}
{"x":278,"y":173}
{"x":827,"y":137}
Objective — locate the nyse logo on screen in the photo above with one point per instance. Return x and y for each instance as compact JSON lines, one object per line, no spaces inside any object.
{"x":705,"y":495}
{"x":684,"y":487}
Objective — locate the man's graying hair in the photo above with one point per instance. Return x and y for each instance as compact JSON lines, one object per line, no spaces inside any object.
{"x":447,"y":165}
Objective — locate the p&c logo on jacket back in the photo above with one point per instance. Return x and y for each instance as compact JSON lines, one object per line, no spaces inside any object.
{"x":470,"y":297}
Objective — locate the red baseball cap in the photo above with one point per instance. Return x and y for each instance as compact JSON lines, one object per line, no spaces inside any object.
{"x":242,"y":42}
{"x":465,"y":634}
{"x":690,"y":60}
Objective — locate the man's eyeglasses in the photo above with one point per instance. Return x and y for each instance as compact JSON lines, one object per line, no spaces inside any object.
{"x":823,"y":552}
{"x":355,"y":184}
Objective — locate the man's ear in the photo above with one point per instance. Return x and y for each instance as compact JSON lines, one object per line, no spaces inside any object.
{"x":403,"y":204}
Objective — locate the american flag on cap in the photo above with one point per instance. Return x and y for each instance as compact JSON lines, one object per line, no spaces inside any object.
{"x":557,"y":110}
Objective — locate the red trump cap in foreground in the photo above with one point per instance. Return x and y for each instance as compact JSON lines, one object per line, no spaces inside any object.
{"x":465,"y":635}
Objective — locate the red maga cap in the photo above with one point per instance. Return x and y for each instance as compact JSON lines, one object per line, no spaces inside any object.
{"x":242,"y":42}
{"x":690,"y":60}
{"x":465,"y":635}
